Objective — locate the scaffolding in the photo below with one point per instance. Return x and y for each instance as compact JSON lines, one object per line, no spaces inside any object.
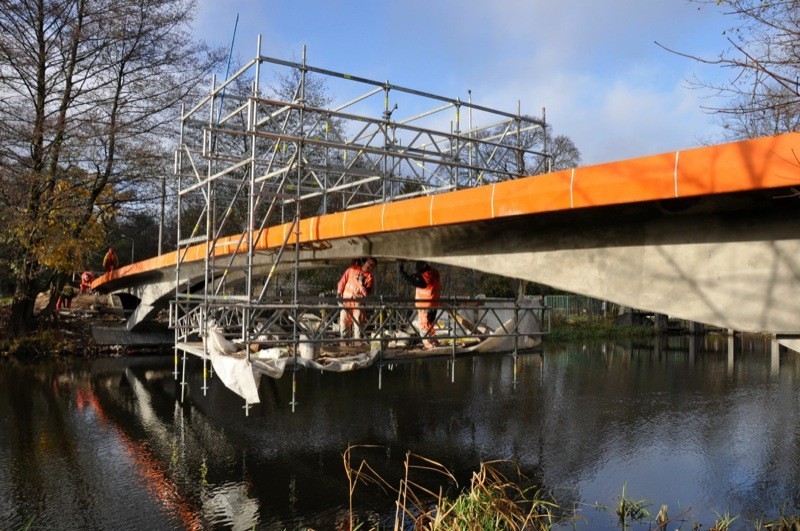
{"x":254,"y":154}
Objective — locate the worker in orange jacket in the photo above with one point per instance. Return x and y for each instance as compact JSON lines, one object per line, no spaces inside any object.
{"x":357,"y":282}
{"x":428,"y":286}
{"x":110,"y":260}
{"x":87,"y":277}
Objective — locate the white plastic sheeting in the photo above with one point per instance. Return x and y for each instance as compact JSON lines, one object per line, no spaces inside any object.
{"x":273,"y":362}
{"x":229,"y":506}
{"x":232,"y":365}
{"x":528,"y":328}
{"x":242,"y":375}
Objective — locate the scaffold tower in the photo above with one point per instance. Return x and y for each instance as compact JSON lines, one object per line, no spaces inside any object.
{"x":273,"y":143}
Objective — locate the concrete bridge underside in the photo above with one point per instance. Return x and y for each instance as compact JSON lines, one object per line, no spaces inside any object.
{"x":728,"y":260}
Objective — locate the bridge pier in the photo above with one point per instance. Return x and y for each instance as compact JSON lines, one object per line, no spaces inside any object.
{"x":731,"y":347}
{"x":696,"y":328}
{"x":775,"y":355}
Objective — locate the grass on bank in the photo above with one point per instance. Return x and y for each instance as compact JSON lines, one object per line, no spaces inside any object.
{"x":38,"y":344}
{"x":495,"y":501}
{"x":59,"y":335}
{"x":583,"y":327}
{"x":41,"y":344}
{"x":491,"y":502}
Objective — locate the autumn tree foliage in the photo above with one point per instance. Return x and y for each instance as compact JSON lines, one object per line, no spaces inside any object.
{"x":89,"y":91}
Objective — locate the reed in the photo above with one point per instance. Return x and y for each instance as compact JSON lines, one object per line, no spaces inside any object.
{"x":784,"y":523}
{"x":723,"y":522}
{"x":495,"y":501}
{"x":491,"y":502}
{"x":629,"y":509}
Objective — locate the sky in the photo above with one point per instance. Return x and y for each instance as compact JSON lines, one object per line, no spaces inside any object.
{"x":593,"y":64}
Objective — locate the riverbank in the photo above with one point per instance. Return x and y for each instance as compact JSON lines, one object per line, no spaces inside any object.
{"x":66,"y":333}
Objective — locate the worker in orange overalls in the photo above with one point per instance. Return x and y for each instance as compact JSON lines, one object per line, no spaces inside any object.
{"x":110,"y":260}
{"x":357,"y":282}
{"x":428,"y":290}
{"x":87,"y":277}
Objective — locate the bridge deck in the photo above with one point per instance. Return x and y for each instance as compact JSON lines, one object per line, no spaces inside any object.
{"x":764,"y":163}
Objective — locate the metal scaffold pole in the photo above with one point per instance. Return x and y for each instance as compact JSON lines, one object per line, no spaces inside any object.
{"x":297,"y":217}
{"x":174,"y":310}
{"x":210,"y":211}
{"x":252,"y":114}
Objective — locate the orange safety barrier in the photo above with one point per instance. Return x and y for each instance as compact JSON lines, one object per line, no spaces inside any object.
{"x":769,"y":162}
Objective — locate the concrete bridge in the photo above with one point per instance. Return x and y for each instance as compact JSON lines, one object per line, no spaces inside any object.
{"x":709,"y":234}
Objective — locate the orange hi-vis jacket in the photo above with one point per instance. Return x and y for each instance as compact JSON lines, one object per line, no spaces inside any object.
{"x":428,"y":297}
{"x":355,"y":283}
{"x":110,"y":260}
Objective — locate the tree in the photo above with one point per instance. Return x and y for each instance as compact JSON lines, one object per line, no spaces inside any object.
{"x":561,"y":151}
{"x":763,"y":93}
{"x":741,"y":120}
{"x":89,"y":88}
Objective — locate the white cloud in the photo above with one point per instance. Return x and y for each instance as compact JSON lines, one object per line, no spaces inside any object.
{"x":592,"y":64}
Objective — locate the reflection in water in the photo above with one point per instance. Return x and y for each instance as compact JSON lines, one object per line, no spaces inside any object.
{"x":706,"y":422}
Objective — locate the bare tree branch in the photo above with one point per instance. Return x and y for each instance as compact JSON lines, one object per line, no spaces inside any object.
{"x":763,"y":97}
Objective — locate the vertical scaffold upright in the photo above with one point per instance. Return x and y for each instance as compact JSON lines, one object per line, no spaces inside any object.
{"x":254,"y":154}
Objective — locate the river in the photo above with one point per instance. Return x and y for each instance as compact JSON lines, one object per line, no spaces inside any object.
{"x":697,"y":424}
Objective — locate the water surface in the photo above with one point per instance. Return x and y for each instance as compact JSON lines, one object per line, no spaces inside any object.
{"x":690,"y":423}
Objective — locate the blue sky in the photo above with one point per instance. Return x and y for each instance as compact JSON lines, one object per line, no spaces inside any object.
{"x":592,"y":63}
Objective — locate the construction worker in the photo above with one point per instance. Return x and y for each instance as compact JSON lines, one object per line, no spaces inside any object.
{"x":428,"y":290}
{"x":110,"y":260}
{"x":65,"y":298}
{"x":357,"y":282}
{"x":87,"y":277}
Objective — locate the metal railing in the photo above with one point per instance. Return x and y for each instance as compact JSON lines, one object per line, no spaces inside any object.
{"x":385,"y":320}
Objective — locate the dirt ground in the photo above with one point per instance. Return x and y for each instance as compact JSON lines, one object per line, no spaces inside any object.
{"x":68,"y":332}
{"x":81,"y":303}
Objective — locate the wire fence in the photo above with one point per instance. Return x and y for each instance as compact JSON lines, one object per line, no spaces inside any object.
{"x":572,"y":305}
